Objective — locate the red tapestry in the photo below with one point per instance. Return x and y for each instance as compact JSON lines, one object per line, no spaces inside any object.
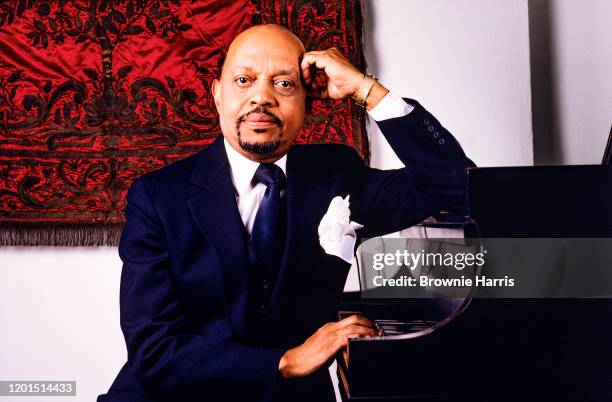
{"x":94,"y":93}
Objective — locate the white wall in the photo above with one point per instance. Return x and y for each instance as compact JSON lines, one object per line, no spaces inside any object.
{"x":466,"y":61}
{"x":582,"y":78}
{"x":59,"y":309}
{"x":571,"y":62}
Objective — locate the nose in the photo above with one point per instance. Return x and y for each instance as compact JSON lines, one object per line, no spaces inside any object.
{"x":262,"y":94}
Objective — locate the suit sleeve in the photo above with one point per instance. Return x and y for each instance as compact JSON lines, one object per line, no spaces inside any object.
{"x":168,"y":358}
{"x":434,"y":178}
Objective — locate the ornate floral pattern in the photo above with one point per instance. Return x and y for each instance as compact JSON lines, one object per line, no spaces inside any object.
{"x":94,"y":93}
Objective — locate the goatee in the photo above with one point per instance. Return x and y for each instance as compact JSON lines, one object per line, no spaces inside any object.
{"x":260,"y":147}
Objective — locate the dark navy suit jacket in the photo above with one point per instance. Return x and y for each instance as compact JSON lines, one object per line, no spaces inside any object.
{"x":184,"y":285}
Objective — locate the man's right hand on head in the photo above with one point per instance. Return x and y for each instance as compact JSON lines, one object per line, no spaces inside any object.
{"x":305,"y":359}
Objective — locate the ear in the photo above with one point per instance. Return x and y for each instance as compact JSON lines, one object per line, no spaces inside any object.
{"x":216,"y":91}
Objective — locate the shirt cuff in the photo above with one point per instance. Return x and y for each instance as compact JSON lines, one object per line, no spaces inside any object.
{"x":391,"y":106}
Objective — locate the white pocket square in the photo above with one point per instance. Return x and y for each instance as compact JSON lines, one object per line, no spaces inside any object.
{"x":336,"y":230}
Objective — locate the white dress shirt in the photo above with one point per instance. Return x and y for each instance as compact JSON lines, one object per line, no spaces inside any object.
{"x":247,"y":191}
{"x":242,"y":170}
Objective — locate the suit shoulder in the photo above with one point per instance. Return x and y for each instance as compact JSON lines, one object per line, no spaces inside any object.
{"x":328,"y":153}
{"x":170,"y":177}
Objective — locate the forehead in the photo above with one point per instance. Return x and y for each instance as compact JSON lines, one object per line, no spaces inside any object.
{"x":258,"y":52}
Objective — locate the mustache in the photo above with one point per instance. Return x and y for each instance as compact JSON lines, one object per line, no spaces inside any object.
{"x":261,"y":110}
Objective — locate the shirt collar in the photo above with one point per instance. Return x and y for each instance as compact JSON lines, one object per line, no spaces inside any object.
{"x":243,"y":169}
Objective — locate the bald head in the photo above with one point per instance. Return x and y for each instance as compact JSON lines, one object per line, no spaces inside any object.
{"x":259,"y":95}
{"x":267,"y":34}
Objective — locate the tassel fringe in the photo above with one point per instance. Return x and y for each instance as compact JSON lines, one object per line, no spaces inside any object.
{"x":62,"y":235}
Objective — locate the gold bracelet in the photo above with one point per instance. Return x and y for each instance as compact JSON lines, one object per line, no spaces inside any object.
{"x":361,"y":95}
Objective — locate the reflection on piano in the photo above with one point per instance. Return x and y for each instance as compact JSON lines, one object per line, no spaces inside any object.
{"x":496,"y":349}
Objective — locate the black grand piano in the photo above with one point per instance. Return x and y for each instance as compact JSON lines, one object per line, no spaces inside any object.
{"x":497,"y":349}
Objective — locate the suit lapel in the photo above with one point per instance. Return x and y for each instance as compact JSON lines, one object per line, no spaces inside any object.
{"x":303,"y":207}
{"x":216,"y":213}
{"x":217,"y":216}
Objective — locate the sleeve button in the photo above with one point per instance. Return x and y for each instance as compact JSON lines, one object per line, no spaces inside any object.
{"x":436,"y":134}
{"x":426,"y":122}
{"x":441,"y":142}
{"x":430,"y":128}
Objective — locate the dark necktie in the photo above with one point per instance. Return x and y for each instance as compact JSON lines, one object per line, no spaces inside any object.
{"x":268,"y":236}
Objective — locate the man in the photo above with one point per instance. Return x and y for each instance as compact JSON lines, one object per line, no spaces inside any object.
{"x":226,"y":294}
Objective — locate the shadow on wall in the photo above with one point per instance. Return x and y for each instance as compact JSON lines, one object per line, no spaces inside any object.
{"x":545,"y":118}
{"x":568,"y":63}
{"x":371,"y":53}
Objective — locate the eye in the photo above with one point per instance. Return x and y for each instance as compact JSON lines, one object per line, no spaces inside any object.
{"x":285,"y":84}
{"x":242,"y":81}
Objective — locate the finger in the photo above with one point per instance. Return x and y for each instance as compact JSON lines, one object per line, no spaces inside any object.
{"x":345,"y":356}
{"x":341,"y":340}
{"x":316,"y":59}
{"x":306,"y":76}
{"x":356,"y":319}
{"x":318,"y":93}
{"x":308,"y":59}
{"x":356,"y":330}
{"x":335,"y":328}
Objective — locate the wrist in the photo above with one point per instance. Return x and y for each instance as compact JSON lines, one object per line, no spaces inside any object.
{"x":363,"y":89}
{"x":369,"y":93}
{"x":377,"y":93}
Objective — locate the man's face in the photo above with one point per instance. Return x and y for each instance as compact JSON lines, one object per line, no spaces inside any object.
{"x":260,"y":97}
